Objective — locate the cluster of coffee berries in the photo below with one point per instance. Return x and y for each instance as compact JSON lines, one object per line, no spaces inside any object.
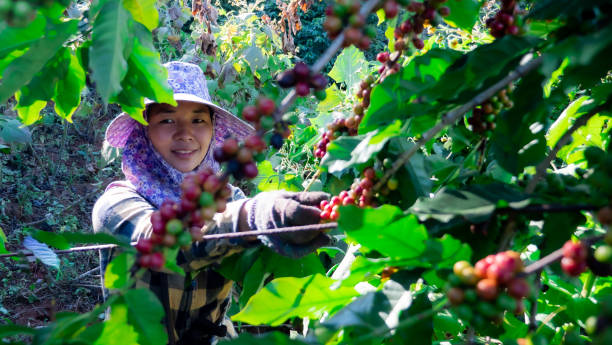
{"x":483,"y":115}
{"x":504,"y":22}
{"x":302,"y":78}
{"x":409,"y":30}
{"x":239,"y":158}
{"x":261,"y":116}
{"x":345,"y":13}
{"x":20,"y":13}
{"x":486,"y":290}
{"x":389,"y":65}
{"x":177,"y":224}
{"x":574,"y":258}
{"x":360,"y":194}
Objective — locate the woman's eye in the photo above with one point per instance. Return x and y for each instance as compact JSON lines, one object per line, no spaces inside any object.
{"x":199,"y":121}
{"x":166,"y":121}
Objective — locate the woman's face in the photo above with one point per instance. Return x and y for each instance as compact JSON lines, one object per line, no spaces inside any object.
{"x":180,"y":134}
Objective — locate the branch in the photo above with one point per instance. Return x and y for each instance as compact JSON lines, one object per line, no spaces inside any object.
{"x":581,"y":121}
{"x":313,"y":227}
{"x":323,"y":60}
{"x":456,"y":113}
{"x":556,"y":255}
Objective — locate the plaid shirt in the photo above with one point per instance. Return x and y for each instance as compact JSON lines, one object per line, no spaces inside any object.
{"x":195,"y":304}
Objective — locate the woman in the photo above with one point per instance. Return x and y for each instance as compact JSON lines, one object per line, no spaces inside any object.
{"x":177,"y":141}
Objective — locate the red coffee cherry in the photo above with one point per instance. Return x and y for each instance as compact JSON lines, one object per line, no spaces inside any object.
{"x":144,"y":246}
{"x":575,"y":250}
{"x":250,"y":114}
{"x":266,"y":106}
{"x":455,"y":296}
{"x":573,"y":267}
{"x":518,"y":288}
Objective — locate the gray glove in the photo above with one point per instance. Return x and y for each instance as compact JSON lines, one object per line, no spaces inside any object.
{"x":270,"y":210}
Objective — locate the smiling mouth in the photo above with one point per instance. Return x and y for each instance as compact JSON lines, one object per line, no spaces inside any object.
{"x":184,"y":153}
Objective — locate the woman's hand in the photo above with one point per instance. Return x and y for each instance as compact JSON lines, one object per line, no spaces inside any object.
{"x":269,"y":210}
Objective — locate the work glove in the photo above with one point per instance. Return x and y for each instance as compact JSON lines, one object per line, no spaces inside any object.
{"x":271,"y":210}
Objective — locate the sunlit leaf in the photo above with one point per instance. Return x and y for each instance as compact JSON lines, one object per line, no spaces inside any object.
{"x":42,"y":252}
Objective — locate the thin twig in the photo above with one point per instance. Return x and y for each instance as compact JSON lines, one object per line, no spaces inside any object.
{"x":312,"y":227}
{"x":455,"y":114}
{"x":314,"y":177}
{"x":323,"y":60}
{"x":581,"y":121}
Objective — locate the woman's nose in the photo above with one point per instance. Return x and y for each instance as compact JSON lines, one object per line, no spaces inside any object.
{"x":183,"y":132}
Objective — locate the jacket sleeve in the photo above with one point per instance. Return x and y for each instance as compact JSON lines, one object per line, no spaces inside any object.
{"x":122,"y":211}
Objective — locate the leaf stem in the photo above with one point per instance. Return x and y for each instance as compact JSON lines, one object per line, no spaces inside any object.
{"x":456,"y":113}
{"x":587,"y":288}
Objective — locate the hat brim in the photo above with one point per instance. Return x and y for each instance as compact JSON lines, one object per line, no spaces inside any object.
{"x":226,"y":124}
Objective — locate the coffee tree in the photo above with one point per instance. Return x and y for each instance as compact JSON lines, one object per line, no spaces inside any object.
{"x":471,"y":179}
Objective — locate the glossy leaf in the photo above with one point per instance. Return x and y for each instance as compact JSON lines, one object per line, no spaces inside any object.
{"x":42,"y":252}
{"x":13,"y":131}
{"x":285,"y":298}
{"x":145,"y":315}
{"x":475,"y":203}
{"x":117,"y":273}
{"x":22,"y":69}
{"x":144,"y":12}
{"x":110,"y":48}
{"x":350,"y":67}
{"x":2,"y":242}
{"x":68,"y":89}
{"x":16,"y":38}
{"x":374,"y":229}
{"x":276,"y":338}
{"x":118,"y":327}
{"x":463,"y":14}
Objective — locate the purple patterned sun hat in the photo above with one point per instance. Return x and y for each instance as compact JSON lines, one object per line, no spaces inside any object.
{"x":189,"y":84}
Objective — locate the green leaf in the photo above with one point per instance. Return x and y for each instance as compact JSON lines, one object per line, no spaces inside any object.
{"x":145,"y":315}
{"x":2,"y":242}
{"x":558,"y":228}
{"x":110,"y":47}
{"x":270,"y":180}
{"x":118,"y":327}
{"x":395,"y":97}
{"x":117,"y":273}
{"x":42,"y":252}
{"x":475,"y":203}
{"x":373,"y":312}
{"x":347,"y":151}
{"x":22,"y":69}
{"x":276,"y":338}
{"x":12,"y":330}
{"x":376,"y":229}
{"x":463,"y":14}
{"x":333,"y":98}
{"x":253,"y":281}
{"x":97,"y":238}
{"x":15,"y":38}
{"x":564,"y":121}
{"x":284,"y":298}
{"x":170,"y":256}
{"x":255,"y":58}
{"x":421,"y":330}
{"x":144,"y":12}
{"x":443,"y":252}
{"x":55,"y":240}
{"x":31,"y":113}
{"x":350,"y":67}
{"x":13,"y":131}
{"x":68,"y":89}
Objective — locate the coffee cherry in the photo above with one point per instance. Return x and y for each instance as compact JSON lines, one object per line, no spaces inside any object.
{"x":250,"y":170}
{"x":250,"y":114}
{"x":206,"y":199}
{"x":444,"y":11}
{"x":455,"y":296}
{"x":487,"y":289}
{"x":276,"y":141}
{"x":459,"y":266}
{"x":382,"y":57}
{"x":174,"y":226}
{"x":518,"y":288}
{"x":572,"y":267}
{"x":603,"y":254}
{"x":287,"y":79}
{"x":265,"y":106}
{"x":418,"y":43}
{"x":575,"y":250}
{"x":144,"y":245}
{"x":255,"y":143}
{"x":168,"y":210}
{"x":392,"y":184}
{"x":184,"y":240}
{"x":468,"y":276}
{"x":604,"y":215}
{"x":318,"y":82}
{"x":157,"y":260}
{"x":391,"y":9}
{"x":302,"y":71}
{"x":302,"y":89}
